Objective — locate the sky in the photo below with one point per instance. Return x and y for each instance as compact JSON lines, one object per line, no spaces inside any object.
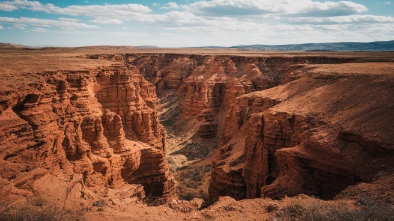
{"x":194,"y":23}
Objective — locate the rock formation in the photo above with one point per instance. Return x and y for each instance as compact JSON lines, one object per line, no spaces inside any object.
{"x":134,"y":100}
{"x":98,"y":128}
{"x":300,"y":138}
{"x":210,"y":84}
{"x":253,"y":158}
{"x":279,"y":125}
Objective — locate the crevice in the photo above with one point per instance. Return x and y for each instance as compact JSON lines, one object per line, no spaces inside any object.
{"x":273,"y":168}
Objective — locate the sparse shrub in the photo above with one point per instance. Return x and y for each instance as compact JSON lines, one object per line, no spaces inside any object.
{"x":229,"y":208}
{"x":196,"y":177}
{"x":171,"y":161}
{"x":208,"y":216}
{"x":192,"y":185}
{"x":37,"y":201}
{"x":188,"y":196}
{"x":364,"y":202}
{"x":183,"y":167}
{"x":371,"y":211}
{"x":272,"y":207}
{"x":154,"y":201}
{"x":203,"y":195}
{"x":294,"y":211}
{"x":28,"y":212}
{"x":100,"y":203}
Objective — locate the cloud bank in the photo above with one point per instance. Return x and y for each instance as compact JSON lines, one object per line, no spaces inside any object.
{"x":256,"y":21}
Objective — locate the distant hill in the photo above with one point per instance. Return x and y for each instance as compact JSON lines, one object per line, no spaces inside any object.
{"x":339,"y":46}
{"x":8,"y":45}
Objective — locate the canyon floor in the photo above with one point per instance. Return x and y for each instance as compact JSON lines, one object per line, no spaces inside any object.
{"x":126,"y":133}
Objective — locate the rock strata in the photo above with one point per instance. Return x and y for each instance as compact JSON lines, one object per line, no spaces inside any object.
{"x":98,"y":127}
{"x":279,"y":142}
{"x":280,"y":125}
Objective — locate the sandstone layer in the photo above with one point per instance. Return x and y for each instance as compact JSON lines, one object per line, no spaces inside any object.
{"x":315,"y":135}
{"x":82,"y":132}
{"x":232,"y":103}
{"x":95,"y":129}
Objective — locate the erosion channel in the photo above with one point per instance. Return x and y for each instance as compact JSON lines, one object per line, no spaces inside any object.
{"x":269,"y":126}
{"x":119,"y":128}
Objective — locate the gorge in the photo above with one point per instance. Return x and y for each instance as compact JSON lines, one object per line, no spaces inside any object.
{"x":124,"y":126}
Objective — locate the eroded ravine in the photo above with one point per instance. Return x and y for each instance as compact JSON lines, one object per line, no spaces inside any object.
{"x":262,"y":126}
{"x":264,"y":144}
{"x":196,"y":92}
{"x":203,"y":112}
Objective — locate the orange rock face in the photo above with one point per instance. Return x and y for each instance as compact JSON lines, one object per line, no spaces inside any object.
{"x":302,"y":137}
{"x":281,"y":126}
{"x":260,"y":144}
{"x":134,"y":100}
{"x":210,"y":84}
{"x":99,"y":125}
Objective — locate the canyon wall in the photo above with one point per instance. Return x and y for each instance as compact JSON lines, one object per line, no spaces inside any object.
{"x":94,"y":128}
{"x":273,"y":118}
{"x":315,"y":135}
{"x":278,"y":127}
{"x":209,"y":84}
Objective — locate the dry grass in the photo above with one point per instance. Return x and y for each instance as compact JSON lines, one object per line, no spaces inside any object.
{"x":28,"y":212}
{"x":371,"y":211}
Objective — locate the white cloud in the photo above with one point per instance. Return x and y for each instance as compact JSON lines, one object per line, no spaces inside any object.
{"x":328,"y":9}
{"x":171,"y":5}
{"x":23,"y":4}
{"x":354,"y":19}
{"x":176,"y":18}
{"x":212,"y":22}
{"x":100,"y":10}
{"x":109,"y":33}
{"x":40,"y":30}
{"x":69,"y":19}
{"x":231,"y":8}
{"x":107,"y":21}
{"x":4,"y":6}
{"x":260,"y":7}
{"x":61,"y":23}
{"x":85,"y":10}
{"x":20,"y":26}
{"x":205,"y":14}
{"x":386,"y":3}
{"x":1,"y":27}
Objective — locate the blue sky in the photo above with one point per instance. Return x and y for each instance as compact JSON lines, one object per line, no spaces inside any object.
{"x":188,"y":23}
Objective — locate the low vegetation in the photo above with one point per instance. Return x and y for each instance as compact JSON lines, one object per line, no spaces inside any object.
{"x":336,"y":212}
{"x":29,"y":212}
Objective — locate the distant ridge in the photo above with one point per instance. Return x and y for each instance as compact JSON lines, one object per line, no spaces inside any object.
{"x":335,"y":46}
{"x":339,"y":46}
{"x":8,"y":45}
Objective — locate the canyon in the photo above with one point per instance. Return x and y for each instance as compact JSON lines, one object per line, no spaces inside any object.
{"x":122,"y":132}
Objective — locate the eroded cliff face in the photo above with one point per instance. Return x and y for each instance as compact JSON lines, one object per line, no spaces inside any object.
{"x":315,"y":135}
{"x":95,"y":129}
{"x":134,"y":99}
{"x":277,"y":127}
{"x":268,"y":144}
{"x":208,"y":85}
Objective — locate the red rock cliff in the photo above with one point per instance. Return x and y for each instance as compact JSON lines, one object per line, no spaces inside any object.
{"x":269,"y":143}
{"x":210,"y":84}
{"x":96,"y":128}
{"x":313,"y":135}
